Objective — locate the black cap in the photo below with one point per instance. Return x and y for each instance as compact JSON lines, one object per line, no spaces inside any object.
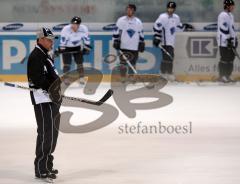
{"x":45,"y":32}
{"x":228,"y":2}
{"x":76,"y":20}
{"x":171,"y":4}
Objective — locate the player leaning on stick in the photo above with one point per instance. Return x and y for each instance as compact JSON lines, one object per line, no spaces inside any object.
{"x":129,"y":38}
{"x":75,"y":39}
{"x":165,"y":28}
{"x":41,"y":74}
{"x":227,"y":41}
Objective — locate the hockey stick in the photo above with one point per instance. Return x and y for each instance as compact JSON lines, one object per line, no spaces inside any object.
{"x":55,"y":54}
{"x":111,"y":58}
{"x":99,"y":102}
{"x":83,"y":49}
{"x":148,"y":86}
{"x":127,"y":61}
{"x":23,"y":60}
{"x":166,"y":52}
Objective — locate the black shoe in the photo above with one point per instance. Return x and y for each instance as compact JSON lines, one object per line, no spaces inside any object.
{"x":52,"y":176}
{"x":48,"y":176}
{"x":54,"y":171}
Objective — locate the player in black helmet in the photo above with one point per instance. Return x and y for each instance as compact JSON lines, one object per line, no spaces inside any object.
{"x":227,"y":41}
{"x":228,"y":3}
{"x":165,"y":28}
{"x":75,"y":42}
{"x":172,"y":5}
{"x":76,"y":20}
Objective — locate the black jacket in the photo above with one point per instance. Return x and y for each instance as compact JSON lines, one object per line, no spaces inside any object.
{"x":41,"y":71}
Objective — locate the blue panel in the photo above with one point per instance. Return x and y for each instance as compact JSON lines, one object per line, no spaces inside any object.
{"x":17,"y":68}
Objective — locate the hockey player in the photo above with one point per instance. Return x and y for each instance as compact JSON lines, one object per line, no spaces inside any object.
{"x":165,"y":29}
{"x":227,"y":41}
{"x":41,"y":74}
{"x":75,"y":39}
{"x":129,"y":38}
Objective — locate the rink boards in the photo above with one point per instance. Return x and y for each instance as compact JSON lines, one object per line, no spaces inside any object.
{"x":196,"y":55}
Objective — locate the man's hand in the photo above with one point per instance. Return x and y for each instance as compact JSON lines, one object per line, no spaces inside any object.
{"x":141,"y":46}
{"x":116,"y":44}
{"x":55,"y":92}
{"x":156,"y":42}
{"x":230,"y":43}
{"x":59,"y":50}
{"x":86,"y":49}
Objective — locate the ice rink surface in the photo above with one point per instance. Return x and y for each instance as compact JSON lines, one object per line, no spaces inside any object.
{"x":208,"y":155}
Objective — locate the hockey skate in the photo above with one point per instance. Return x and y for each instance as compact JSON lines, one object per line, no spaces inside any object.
{"x":46,"y":177}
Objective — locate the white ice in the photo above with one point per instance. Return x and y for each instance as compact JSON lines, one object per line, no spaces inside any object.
{"x":210,"y":155}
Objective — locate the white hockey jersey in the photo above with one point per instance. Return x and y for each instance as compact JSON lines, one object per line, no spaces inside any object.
{"x":69,"y":38}
{"x":226,"y":28}
{"x":130,"y":32}
{"x":165,"y":28}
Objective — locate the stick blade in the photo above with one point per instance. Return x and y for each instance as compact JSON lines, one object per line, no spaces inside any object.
{"x":101,"y":101}
{"x":105,"y":97}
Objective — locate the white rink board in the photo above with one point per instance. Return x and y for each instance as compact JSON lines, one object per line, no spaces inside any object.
{"x":197,"y":53}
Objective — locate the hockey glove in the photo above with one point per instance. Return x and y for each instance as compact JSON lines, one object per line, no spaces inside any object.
{"x":60,"y":50}
{"x":156,"y":42}
{"x":230,"y":43}
{"x":116,"y":44}
{"x":55,"y":92}
{"x":188,"y":27}
{"x":141,"y":46}
{"x":86,"y":49}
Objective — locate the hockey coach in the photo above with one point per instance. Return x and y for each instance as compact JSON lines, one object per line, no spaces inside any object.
{"x":41,"y":74}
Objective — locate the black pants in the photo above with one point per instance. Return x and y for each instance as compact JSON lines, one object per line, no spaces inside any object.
{"x":225,"y":65}
{"x":167,"y":62}
{"x":78,"y":58}
{"x":47,"y":133}
{"x":132,"y":57}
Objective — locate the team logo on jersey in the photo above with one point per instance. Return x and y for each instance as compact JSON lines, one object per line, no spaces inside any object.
{"x":131,"y":32}
{"x":75,"y":42}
